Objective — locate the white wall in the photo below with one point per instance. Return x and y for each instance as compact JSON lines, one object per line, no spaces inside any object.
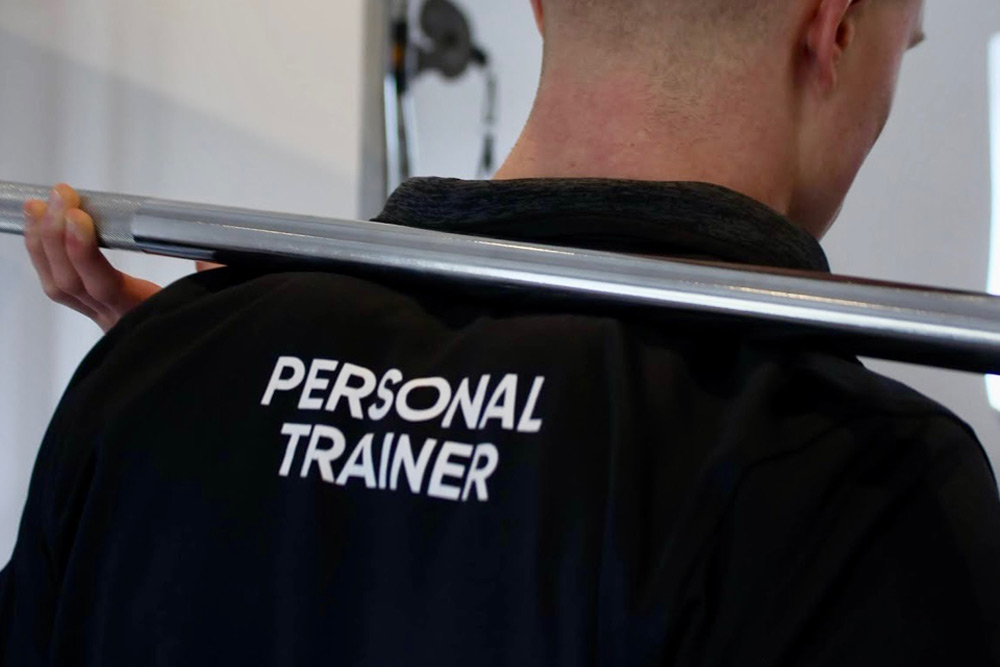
{"x":253,"y":104}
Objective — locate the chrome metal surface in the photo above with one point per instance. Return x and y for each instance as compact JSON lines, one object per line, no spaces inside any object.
{"x":112,"y":213}
{"x":373,"y":183}
{"x":925,"y":325}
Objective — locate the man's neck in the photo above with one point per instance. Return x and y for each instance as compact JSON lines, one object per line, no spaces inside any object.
{"x":611,"y":127}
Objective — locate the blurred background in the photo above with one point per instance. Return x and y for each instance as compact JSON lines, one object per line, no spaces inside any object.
{"x":278,"y":105}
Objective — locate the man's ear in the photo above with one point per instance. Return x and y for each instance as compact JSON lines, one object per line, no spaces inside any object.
{"x":828,"y":34}
{"x":536,"y":6}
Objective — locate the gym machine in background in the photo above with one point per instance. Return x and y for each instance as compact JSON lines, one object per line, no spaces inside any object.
{"x":406,"y":40}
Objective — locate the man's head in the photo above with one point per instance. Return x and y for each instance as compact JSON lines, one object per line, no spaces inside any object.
{"x":781,"y":99}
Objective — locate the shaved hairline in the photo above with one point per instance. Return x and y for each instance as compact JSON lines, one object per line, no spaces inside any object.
{"x":621,"y":22}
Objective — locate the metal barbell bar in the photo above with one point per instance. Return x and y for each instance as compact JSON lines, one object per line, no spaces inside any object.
{"x":957,"y":330}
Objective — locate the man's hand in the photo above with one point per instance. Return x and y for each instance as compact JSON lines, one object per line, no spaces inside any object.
{"x":62,"y":243}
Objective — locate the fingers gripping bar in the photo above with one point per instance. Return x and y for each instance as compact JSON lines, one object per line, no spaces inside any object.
{"x":113,"y":214}
{"x":916,"y":324}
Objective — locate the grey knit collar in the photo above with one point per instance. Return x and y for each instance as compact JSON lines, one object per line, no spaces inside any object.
{"x":687,"y":220}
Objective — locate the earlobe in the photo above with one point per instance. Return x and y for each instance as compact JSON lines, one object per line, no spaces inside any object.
{"x":536,"y":6}
{"x":829,"y":33}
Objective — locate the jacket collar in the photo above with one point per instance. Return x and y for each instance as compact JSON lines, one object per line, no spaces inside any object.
{"x":659,"y":219}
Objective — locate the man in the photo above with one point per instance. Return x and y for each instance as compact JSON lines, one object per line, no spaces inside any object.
{"x":284,"y":467}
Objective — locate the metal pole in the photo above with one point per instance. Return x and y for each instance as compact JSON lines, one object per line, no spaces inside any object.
{"x":375,"y":169}
{"x":922,"y":325}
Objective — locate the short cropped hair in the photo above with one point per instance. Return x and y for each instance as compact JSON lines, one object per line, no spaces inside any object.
{"x":619,"y":22}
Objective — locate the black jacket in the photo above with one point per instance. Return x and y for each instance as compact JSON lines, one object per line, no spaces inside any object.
{"x":291,"y":467}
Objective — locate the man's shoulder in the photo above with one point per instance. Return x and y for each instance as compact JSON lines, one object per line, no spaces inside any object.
{"x":857,"y":408}
{"x":793,"y":370}
{"x":358,"y":300}
{"x":872,"y":395}
{"x":787,"y":380}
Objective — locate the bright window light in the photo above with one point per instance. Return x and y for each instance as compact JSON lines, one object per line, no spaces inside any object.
{"x":993,"y":382}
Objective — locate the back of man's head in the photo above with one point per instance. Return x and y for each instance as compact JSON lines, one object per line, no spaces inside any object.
{"x":779,"y":99}
{"x":637,"y":24}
